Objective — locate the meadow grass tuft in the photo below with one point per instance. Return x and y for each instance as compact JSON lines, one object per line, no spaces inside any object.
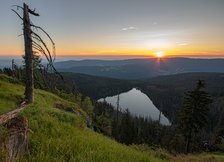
{"x":10,"y":95}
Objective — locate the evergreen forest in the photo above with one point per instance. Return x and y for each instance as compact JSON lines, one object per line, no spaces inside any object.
{"x":139,"y":130}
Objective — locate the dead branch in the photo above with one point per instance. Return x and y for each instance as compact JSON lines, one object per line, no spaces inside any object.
{"x":17,"y":6}
{"x":12,"y":114}
{"x":49,"y":54}
{"x":33,"y":13}
{"x":56,"y":72}
{"x":44,"y":32}
{"x":39,"y":38}
{"x":40,"y":49}
{"x":17,"y":14}
{"x":20,"y":35}
{"x":37,"y":27}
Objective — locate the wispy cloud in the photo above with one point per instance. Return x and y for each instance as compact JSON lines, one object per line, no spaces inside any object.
{"x":129,"y":28}
{"x":182,"y":44}
{"x":107,"y":51}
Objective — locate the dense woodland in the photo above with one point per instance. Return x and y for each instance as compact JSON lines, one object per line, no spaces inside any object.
{"x":170,"y":91}
{"x":95,"y":87}
{"x":128,"y":129}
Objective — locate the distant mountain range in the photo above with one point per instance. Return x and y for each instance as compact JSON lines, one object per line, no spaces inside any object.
{"x":140,"y":68}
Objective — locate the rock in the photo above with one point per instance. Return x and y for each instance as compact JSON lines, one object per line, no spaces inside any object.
{"x":59,"y":105}
{"x":70,"y":109}
{"x":89,"y":123}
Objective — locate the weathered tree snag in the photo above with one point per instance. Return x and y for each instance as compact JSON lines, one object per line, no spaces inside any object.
{"x":29,"y":94}
{"x":38,"y":44}
{"x":17,"y":137}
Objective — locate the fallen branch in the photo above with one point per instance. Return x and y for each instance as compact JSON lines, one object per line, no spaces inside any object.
{"x":12,"y":114}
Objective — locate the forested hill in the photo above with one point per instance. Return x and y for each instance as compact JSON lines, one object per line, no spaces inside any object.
{"x":168,"y":91}
{"x":95,"y":87}
{"x":140,"y":68}
{"x":88,"y":62}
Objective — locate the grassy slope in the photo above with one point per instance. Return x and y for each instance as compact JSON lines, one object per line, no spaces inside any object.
{"x":62,"y":136}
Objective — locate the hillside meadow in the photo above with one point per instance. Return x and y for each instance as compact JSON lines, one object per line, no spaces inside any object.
{"x":63,"y":136}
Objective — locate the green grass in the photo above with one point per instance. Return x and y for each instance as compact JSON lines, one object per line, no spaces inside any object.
{"x":62,"y":136}
{"x":203,"y":157}
{"x":10,"y":94}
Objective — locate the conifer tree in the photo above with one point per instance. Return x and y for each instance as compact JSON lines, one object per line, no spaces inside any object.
{"x":192,"y":115}
{"x":87,"y":105}
{"x":125,"y":134}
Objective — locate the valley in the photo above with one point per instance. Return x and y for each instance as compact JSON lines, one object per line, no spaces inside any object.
{"x":166,"y":92}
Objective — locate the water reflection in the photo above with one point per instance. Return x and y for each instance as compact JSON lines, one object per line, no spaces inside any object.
{"x":138,"y":103}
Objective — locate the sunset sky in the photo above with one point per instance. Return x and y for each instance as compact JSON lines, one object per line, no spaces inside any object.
{"x":135,"y":28}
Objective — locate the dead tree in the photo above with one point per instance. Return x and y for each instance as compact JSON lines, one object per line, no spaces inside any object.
{"x":13,"y":68}
{"x":158,"y":134}
{"x":34,"y":41}
{"x":29,"y":94}
{"x":118,"y":100}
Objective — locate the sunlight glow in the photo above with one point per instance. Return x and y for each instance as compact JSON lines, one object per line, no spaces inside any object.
{"x":159,"y":54}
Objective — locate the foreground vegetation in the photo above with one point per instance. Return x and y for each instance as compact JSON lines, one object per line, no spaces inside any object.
{"x":62,"y":136}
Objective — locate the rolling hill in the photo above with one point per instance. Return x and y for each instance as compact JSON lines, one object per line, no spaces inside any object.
{"x":141,"y":68}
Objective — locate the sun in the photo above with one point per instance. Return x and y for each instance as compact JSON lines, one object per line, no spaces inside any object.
{"x":159,"y":54}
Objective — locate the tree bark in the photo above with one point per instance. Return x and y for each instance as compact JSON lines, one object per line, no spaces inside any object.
{"x":188,"y":143}
{"x":29,"y":94}
{"x":17,"y":137}
{"x":187,"y":147}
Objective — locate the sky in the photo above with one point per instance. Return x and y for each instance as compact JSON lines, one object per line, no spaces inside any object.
{"x":119,"y":28}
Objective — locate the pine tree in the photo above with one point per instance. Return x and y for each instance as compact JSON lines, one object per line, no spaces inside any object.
{"x":125,"y":134}
{"x":192,"y":115}
{"x":87,"y":105}
{"x":114,"y":128}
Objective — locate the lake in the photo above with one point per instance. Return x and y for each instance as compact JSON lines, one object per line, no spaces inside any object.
{"x":138,"y":103}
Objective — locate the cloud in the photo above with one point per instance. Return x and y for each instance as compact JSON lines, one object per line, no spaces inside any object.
{"x":182,"y":44}
{"x":155,"y":23}
{"x":107,"y":51}
{"x":129,"y":28}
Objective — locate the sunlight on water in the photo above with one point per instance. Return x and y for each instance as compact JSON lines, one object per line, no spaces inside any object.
{"x":138,"y":103}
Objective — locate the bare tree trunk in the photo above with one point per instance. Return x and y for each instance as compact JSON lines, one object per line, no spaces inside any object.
{"x":187,"y":147}
{"x":118,"y":98}
{"x":188,"y":142}
{"x":29,"y":95}
{"x":13,"y":68}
